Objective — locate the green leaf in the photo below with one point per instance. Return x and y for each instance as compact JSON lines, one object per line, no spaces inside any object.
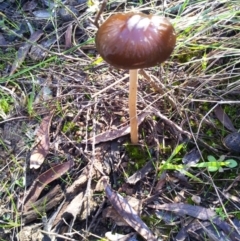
{"x":176,"y":151}
{"x":211,"y":158}
{"x":231,"y":163}
{"x":190,"y":175}
{"x":212,"y":168}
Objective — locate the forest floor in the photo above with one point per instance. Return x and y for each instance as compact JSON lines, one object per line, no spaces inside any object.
{"x":68,"y":170}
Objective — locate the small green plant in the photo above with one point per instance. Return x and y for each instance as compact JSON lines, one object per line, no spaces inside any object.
{"x":212,"y":164}
{"x":68,"y":126}
{"x":216,"y":165}
{"x":220,"y":212}
{"x":5,"y":105}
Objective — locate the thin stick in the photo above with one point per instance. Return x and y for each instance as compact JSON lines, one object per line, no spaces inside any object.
{"x":133,"y":75}
{"x":104,"y":4}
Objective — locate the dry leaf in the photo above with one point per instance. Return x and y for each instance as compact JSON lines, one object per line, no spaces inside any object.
{"x":187,"y":209}
{"x":43,"y":180}
{"x":68,"y":37}
{"x":40,"y":151}
{"x":168,"y":217}
{"x":129,"y":215}
{"x":38,"y":52}
{"x":195,"y":228}
{"x":110,"y":211}
{"x":29,"y":6}
{"x":22,"y":52}
{"x":114,"y":134}
{"x":148,"y":167}
{"x":191,"y":157}
{"x":81,"y":206}
{"x":223,"y":118}
{"x":42,"y":14}
{"x":200,"y":213}
{"x":232,"y":142}
{"x":31,"y":232}
{"x":50,"y":200}
{"x":120,"y":237}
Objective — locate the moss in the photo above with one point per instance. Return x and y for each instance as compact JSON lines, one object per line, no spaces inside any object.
{"x":5,"y":105}
{"x":138,"y":154}
{"x":69,"y":126}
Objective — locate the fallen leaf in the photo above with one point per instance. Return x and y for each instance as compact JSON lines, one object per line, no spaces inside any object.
{"x":214,"y":233}
{"x":43,"y":180}
{"x":38,"y":52}
{"x":42,"y":14}
{"x":195,"y":228}
{"x":81,"y":206}
{"x":68,"y":37}
{"x":44,"y":94}
{"x":110,"y":211}
{"x":148,"y":167}
{"x":73,"y":191}
{"x":223,"y":118}
{"x":114,"y":134}
{"x":129,"y":215}
{"x":40,"y":151}
{"x":192,"y":157}
{"x":29,"y":6}
{"x":31,"y":232}
{"x":50,"y":200}
{"x":168,"y":217}
{"x":200,"y":213}
{"x":23,"y":50}
{"x":120,"y":237}
{"x":187,"y":209}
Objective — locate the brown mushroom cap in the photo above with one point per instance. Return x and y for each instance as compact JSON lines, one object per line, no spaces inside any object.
{"x":135,"y":40}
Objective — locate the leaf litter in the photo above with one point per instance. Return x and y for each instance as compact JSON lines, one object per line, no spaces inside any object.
{"x":129,"y":215}
{"x":43,"y":180}
{"x":176,"y":95}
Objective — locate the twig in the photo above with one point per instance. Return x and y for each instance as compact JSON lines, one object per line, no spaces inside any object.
{"x":99,"y":13}
{"x":171,"y":123}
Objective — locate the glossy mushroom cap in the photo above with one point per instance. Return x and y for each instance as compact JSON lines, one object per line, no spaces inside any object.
{"x":135,"y":40}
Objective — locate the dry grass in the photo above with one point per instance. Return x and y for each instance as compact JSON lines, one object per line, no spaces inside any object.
{"x":89,"y":97}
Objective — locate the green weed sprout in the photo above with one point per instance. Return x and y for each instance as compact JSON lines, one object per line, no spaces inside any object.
{"x":212,"y":164}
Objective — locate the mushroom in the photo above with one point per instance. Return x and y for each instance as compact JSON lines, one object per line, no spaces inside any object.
{"x":133,"y":41}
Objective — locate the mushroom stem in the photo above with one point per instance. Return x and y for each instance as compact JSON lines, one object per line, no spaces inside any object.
{"x":133,"y":79}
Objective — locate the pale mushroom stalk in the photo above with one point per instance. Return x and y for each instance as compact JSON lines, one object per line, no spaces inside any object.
{"x":133,"y":79}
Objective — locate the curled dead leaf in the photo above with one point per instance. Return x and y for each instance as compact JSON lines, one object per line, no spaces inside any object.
{"x":40,"y":151}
